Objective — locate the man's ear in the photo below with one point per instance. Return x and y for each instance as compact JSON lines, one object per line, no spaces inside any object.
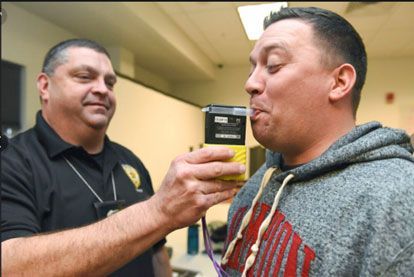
{"x":344,"y":81}
{"x":43,"y":83}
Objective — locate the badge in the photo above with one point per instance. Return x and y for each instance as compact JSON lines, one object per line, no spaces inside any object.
{"x":133,"y":175}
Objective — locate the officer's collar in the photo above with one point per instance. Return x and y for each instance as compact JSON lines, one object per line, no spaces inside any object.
{"x":51,"y":141}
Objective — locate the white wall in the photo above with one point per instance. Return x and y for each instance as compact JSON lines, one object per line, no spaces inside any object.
{"x":389,"y":75}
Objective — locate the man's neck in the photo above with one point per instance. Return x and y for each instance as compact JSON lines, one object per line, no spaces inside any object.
{"x":317,"y":146}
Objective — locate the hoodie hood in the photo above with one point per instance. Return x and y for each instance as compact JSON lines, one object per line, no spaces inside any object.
{"x":367,"y":142}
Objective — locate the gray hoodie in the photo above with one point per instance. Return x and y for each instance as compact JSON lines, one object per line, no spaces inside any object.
{"x":349,"y":212}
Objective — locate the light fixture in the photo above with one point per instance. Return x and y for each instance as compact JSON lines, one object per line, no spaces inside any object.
{"x":252,"y":17}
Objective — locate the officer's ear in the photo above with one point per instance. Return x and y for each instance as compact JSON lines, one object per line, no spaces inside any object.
{"x":43,"y":83}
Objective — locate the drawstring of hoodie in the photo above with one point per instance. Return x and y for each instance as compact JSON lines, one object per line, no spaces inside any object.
{"x":263,"y":227}
{"x":248,"y":215}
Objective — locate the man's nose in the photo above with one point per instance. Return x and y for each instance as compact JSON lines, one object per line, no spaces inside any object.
{"x":255,"y":83}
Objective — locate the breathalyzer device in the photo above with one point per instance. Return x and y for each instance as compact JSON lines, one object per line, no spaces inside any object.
{"x":226,"y":125}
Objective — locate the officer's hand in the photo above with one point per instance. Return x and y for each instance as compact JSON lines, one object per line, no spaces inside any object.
{"x":190,"y":187}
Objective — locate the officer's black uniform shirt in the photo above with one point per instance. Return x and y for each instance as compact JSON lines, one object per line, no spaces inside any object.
{"x":41,"y":192}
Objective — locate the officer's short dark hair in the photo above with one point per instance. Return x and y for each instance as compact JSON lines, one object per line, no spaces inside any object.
{"x":57,"y":54}
{"x":339,"y":40}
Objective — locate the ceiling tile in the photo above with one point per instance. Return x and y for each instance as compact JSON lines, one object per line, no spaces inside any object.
{"x":369,"y":8}
{"x":337,"y":7}
{"x":170,"y":7}
{"x":234,"y":52}
{"x":219,"y":24}
{"x":224,"y":34}
{"x":194,"y":34}
{"x":204,"y":6}
{"x":238,"y":4}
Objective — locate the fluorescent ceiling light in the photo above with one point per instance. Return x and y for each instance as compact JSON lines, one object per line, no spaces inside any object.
{"x":252,"y":17}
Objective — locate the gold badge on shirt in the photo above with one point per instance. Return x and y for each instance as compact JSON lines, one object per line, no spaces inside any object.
{"x":133,"y":175}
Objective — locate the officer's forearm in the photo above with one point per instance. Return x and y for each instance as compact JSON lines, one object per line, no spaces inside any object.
{"x":97,"y":249}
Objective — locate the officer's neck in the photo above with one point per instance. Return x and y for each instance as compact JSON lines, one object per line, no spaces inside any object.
{"x":94,"y":146}
{"x":91,"y":139}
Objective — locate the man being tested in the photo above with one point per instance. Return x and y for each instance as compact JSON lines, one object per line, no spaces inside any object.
{"x":333,"y":198}
{"x":63,"y":182}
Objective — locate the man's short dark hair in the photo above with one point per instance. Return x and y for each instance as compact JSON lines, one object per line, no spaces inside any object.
{"x":339,"y":40}
{"x":57,"y":54}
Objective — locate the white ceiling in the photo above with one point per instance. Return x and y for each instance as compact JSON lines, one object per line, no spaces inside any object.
{"x":185,"y":41}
